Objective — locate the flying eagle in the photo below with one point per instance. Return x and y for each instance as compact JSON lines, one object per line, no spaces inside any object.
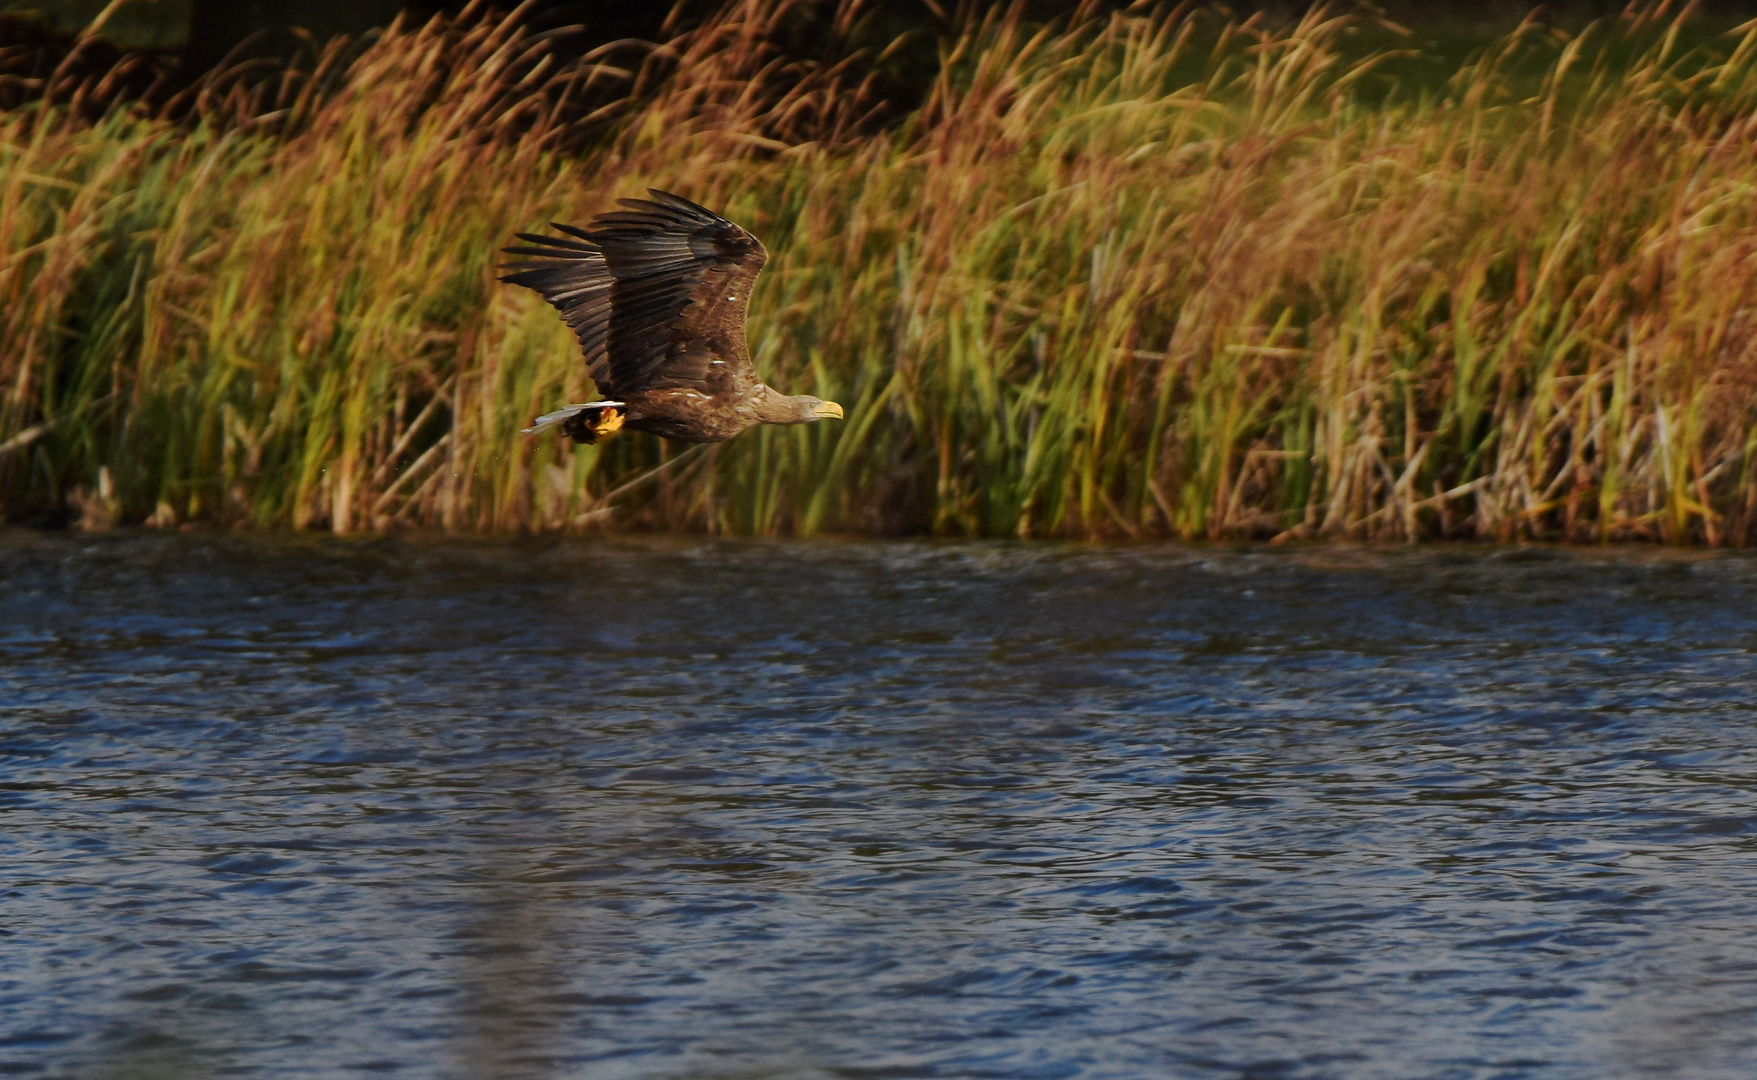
{"x":657,"y":294}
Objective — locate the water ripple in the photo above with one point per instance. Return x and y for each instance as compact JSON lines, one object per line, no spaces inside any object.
{"x":304,"y":807}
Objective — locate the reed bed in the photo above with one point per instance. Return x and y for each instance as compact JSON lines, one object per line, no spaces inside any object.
{"x":1129,"y":275}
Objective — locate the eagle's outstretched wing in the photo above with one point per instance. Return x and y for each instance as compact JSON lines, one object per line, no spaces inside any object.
{"x":657,"y":294}
{"x":573,"y":277}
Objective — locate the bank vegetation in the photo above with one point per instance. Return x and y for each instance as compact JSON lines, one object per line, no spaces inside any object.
{"x":1127,"y":275}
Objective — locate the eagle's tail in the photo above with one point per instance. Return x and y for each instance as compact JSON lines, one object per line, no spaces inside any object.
{"x":583,"y":423}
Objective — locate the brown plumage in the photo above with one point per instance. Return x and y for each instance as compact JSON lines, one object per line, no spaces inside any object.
{"x":657,"y":294}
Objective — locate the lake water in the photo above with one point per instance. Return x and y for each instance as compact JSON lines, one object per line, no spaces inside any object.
{"x":299,"y":807}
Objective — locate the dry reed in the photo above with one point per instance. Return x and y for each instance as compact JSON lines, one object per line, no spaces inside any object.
{"x":1134,"y":275}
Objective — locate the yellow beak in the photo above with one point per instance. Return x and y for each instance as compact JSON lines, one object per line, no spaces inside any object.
{"x":829,"y":410}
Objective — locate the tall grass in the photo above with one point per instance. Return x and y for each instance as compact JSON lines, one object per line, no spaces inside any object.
{"x":1130,"y":275}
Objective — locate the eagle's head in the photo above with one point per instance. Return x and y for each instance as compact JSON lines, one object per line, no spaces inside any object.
{"x":802,"y":409}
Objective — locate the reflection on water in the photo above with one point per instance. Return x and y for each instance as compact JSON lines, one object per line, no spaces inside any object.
{"x":295,"y":807}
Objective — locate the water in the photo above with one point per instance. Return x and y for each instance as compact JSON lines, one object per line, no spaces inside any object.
{"x":308,"y":808}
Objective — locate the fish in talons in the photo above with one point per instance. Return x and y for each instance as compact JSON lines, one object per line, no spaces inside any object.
{"x":583,"y":423}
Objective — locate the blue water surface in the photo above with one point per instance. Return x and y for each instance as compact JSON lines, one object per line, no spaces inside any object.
{"x":296,"y":807}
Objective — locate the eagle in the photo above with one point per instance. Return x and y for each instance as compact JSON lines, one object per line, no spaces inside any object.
{"x":657,"y":294}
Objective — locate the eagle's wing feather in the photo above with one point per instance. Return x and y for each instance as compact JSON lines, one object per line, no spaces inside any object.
{"x":683,"y":279}
{"x":573,"y":277}
{"x":657,"y":293}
